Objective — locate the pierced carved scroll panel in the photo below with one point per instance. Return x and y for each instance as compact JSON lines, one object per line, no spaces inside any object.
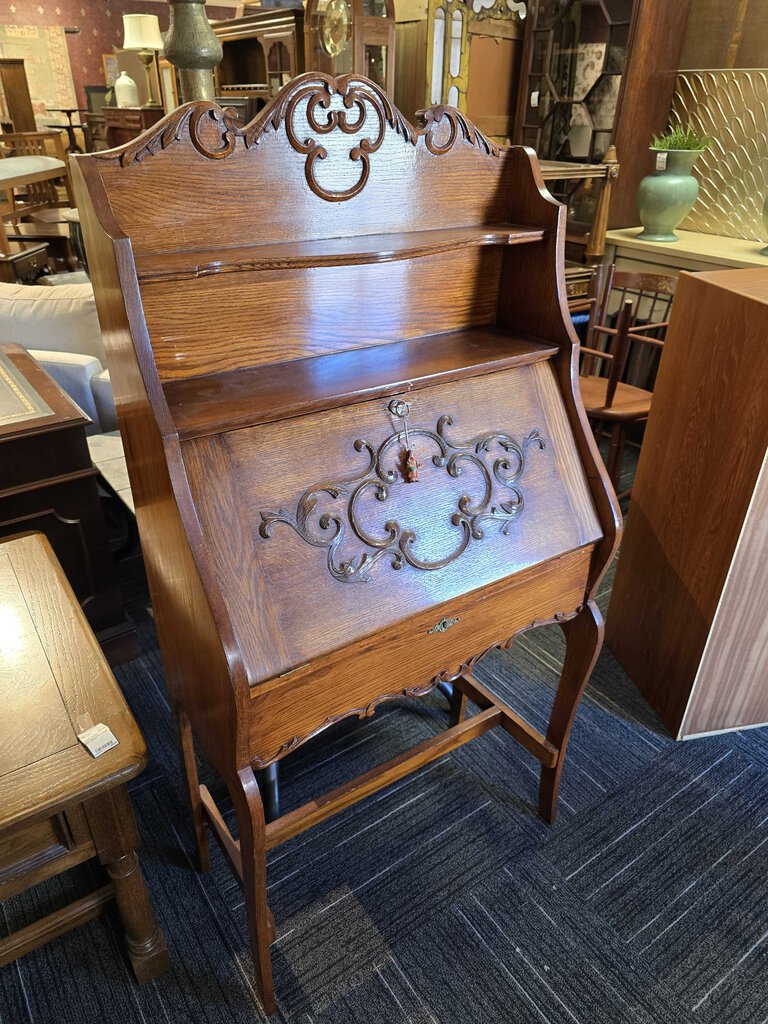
{"x":334,"y":525}
{"x":336,"y":155}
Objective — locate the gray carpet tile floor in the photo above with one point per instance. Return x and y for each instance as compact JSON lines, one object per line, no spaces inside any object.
{"x":445,"y":899}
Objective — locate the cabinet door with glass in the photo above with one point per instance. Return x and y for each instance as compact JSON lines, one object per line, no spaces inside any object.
{"x":574,"y":56}
{"x":352,"y":37}
{"x":448,"y":52}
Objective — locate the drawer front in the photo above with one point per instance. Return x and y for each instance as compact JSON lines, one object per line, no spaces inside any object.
{"x":406,"y":659}
{"x":24,"y":845}
{"x":323,"y":522}
{"x":36,"y":850}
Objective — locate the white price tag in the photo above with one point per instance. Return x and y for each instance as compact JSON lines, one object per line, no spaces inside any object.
{"x":535,"y":98}
{"x":98,"y":739}
{"x":661,"y":161}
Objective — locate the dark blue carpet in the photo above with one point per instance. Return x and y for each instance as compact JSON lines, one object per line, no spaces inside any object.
{"x":445,"y":899}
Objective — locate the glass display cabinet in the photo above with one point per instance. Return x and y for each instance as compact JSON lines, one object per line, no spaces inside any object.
{"x":576,"y":54}
{"x":595,"y":73}
{"x":343,"y":37}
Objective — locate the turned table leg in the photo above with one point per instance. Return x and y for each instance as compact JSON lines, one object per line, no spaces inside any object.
{"x":112,"y":825}
{"x":249,"y":809}
{"x":584,"y":638}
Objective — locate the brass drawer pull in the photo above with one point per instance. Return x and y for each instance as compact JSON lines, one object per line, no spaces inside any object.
{"x":442,"y":626}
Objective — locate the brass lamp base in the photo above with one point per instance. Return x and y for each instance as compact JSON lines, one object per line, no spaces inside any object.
{"x":147,"y":57}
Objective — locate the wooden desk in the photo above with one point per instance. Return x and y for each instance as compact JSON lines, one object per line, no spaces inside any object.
{"x":48,"y":483}
{"x":59,"y":805}
{"x":291,"y":343}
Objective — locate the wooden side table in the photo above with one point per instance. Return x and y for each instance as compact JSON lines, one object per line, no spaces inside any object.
{"x":48,"y":483}
{"x":59,"y":805}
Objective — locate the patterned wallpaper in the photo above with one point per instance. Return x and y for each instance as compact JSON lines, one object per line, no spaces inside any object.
{"x":100,"y":23}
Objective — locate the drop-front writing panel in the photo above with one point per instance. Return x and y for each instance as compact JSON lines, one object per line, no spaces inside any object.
{"x":332,"y":523}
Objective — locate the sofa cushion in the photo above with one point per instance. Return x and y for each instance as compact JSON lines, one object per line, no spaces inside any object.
{"x":104,"y":400}
{"x":61,"y":319}
{"x":74,"y":373}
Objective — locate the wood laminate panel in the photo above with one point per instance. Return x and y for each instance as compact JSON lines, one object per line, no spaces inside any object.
{"x":731,"y":686}
{"x":701,"y":456}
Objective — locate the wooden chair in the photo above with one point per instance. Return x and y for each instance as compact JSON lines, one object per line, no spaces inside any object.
{"x":642,"y":318}
{"x":37,"y":194}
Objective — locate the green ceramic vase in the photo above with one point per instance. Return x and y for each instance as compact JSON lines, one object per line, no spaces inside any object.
{"x":665,"y":197}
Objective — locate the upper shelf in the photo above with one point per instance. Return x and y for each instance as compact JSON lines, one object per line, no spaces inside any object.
{"x":260,"y":394}
{"x":328,"y":252}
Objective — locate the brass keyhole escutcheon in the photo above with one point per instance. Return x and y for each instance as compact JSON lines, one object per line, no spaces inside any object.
{"x":442,"y":626}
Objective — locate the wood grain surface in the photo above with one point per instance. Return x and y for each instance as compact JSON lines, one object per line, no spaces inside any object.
{"x":255,"y":336}
{"x":702,"y":453}
{"x":47,"y":646}
{"x":272,"y":466}
{"x":729,"y":691}
{"x":241,"y":398}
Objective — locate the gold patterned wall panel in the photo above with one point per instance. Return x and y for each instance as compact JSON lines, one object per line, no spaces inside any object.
{"x":732,"y":107}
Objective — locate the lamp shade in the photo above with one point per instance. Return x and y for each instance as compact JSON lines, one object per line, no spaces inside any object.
{"x":142,"y":32}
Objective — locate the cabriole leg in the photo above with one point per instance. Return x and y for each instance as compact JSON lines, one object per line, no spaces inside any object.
{"x":584,"y":638}
{"x":249,"y":810}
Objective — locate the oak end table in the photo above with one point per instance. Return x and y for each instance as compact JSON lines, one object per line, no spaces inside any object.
{"x":59,"y":804}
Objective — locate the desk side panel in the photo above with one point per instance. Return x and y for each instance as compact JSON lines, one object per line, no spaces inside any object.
{"x":200,"y":670}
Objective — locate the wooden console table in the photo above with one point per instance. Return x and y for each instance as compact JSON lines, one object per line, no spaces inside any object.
{"x":694,"y":251}
{"x":688,"y":613}
{"x":348,"y":391}
{"x":48,"y":483}
{"x":60,"y":805}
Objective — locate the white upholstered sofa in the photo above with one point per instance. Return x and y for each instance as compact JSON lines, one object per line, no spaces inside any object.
{"x":60,"y":328}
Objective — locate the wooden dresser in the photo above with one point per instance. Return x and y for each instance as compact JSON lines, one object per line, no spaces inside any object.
{"x":347,"y":387}
{"x":121,"y":124}
{"x":688,"y":612}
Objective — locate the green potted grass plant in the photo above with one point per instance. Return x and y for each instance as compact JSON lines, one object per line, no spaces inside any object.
{"x":667,"y":195}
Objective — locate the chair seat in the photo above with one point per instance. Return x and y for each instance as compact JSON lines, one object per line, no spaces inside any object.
{"x":629,"y":403}
{"x":13,"y":166}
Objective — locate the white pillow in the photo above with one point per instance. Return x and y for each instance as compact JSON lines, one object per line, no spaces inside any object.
{"x":60,"y":319}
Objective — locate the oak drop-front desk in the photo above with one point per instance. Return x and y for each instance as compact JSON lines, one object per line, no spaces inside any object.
{"x":347,"y":389}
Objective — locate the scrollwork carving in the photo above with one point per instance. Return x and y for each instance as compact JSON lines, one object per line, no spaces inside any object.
{"x":395,"y":543}
{"x":194,"y":117}
{"x":350,"y":105}
{"x":434,"y":118}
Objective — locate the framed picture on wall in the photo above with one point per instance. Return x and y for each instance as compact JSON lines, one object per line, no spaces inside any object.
{"x":168,"y":85}
{"x":111,"y":70}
